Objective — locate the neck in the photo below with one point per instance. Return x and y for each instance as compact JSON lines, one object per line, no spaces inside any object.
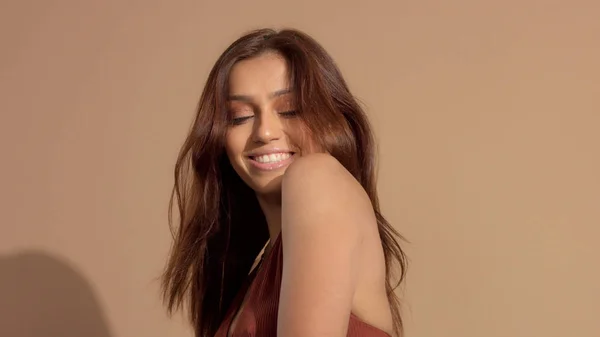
{"x":271,"y":207}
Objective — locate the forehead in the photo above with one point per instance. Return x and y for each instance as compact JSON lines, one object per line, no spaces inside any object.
{"x":259,"y":75}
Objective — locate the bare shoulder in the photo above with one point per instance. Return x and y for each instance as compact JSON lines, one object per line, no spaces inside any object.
{"x":315,"y":166}
{"x":325,"y":215}
{"x":318,"y":185}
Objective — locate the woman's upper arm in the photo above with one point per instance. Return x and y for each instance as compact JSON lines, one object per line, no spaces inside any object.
{"x":324,"y":211}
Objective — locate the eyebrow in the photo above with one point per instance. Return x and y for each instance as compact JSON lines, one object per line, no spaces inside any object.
{"x":246,"y":98}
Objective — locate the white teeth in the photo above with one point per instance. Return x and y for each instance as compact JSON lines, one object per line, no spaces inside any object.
{"x":272,"y":158}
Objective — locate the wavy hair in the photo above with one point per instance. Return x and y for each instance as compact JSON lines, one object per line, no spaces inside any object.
{"x":221,"y":228}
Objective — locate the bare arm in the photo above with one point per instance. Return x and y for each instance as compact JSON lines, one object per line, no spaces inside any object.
{"x":325,"y":211}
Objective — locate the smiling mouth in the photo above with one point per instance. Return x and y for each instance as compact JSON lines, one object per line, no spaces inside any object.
{"x":272,"y":158}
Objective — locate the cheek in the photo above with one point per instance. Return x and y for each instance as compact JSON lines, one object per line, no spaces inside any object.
{"x":232,"y":145}
{"x":302,"y":139}
{"x":236,"y":141}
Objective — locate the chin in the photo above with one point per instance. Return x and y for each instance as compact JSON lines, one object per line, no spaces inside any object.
{"x":261,"y":181}
{"x":265,"y":186}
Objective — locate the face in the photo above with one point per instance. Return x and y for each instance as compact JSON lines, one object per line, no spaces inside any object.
{"x":264,"y":135}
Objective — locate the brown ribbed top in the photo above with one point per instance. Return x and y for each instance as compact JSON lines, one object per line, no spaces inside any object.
{"x":260,"y":298}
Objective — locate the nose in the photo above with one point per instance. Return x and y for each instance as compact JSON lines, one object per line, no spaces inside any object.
{"x":267,"y":128}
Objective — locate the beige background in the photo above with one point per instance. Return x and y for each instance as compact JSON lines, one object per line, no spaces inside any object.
{"x":487,"y":113}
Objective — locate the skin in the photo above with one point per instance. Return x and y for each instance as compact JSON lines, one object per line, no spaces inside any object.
{"x":261,"y":106}
{"x":333,"y":259}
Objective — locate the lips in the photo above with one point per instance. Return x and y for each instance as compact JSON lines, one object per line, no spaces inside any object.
{"x":271,"y":161}
{"x":272,"y":158}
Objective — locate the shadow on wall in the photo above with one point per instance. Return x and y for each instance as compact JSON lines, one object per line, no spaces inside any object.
{"x":41,"y":295}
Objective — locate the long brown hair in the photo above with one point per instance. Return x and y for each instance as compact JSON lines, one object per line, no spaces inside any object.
{"x":221,"y":226}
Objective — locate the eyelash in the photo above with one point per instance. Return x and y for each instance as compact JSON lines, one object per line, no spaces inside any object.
{"x":290,"y":113}
{"x":241,"y":120}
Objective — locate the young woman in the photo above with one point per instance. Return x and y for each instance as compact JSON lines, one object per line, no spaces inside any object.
{"x":280,"y":161}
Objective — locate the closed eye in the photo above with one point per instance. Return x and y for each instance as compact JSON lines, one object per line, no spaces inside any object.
{"x":240,"y":120}
{"x":288,"y":114}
